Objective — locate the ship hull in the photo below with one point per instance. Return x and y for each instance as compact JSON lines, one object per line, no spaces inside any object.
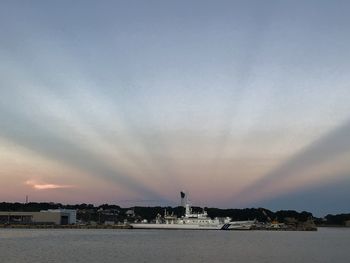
{"x":237,"y":225}
{"x":176,"y":226}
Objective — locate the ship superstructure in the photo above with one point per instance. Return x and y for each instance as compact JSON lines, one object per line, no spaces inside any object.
{"x":190,"y":220}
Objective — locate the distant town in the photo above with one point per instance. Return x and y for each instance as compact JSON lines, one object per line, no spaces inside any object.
{"x":26,"y":214}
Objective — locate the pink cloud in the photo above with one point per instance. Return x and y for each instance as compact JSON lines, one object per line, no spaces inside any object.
{"x":46,"y":186}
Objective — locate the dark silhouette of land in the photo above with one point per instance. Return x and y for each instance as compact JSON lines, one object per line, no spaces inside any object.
{"x":87,"y":213}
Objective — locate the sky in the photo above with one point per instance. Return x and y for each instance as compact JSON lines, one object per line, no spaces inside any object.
{"x":238,"y":103}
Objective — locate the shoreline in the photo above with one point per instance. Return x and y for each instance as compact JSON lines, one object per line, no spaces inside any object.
{"x":123,"y":226}
{"x":65,"y":227}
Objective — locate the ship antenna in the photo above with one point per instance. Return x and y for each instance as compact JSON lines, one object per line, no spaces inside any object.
{"x":183,"y":200}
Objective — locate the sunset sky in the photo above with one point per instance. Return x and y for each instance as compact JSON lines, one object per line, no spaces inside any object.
{"x":239,"y":103}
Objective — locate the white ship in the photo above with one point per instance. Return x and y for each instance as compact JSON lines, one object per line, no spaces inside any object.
{"x":194,"y":221}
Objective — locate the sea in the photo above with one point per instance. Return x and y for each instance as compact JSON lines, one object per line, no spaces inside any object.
{"x":165,"y":246}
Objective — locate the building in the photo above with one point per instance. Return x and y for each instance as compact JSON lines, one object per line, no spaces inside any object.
{"x":70,"y":213}
{"x":56,"y":217}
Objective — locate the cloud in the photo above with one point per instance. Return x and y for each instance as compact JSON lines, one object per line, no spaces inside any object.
{"x":328,"y":147}
{"x":330,"y":197}
{"x":46,"y":186}
{"x":32,"y":134}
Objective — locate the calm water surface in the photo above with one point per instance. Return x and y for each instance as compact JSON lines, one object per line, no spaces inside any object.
{"x":325,"y":245}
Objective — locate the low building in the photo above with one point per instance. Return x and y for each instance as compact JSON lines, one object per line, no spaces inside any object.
{"x":70,"y":213}
{"x":56,"y":217}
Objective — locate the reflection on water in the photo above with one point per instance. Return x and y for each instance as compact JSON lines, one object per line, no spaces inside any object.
{"x":325,"y":245}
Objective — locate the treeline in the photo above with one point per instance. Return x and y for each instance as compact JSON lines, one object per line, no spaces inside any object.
{"x":340,"y":219}
{"x":260,"y":214}
{"x":36,"y":207}
{"x":106,"y":212}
